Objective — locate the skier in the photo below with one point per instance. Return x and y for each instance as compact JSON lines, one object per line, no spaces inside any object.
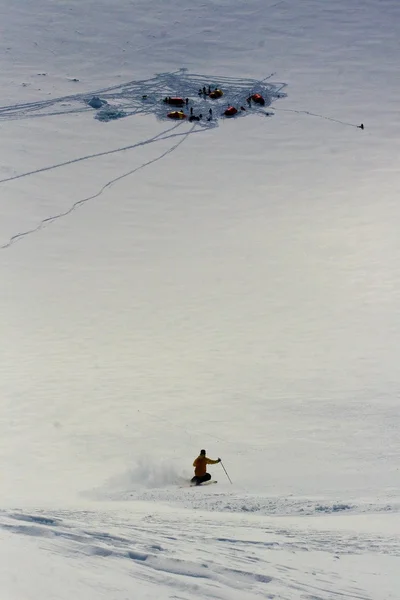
{"x":200,"y":468}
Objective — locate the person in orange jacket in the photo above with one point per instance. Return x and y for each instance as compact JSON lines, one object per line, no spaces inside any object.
{"x":200,"y":468}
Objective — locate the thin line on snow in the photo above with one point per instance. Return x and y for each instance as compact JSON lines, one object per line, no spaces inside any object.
{"x":78,"y":203}
{"x":311,"y":114}
{"x":157,"y":138}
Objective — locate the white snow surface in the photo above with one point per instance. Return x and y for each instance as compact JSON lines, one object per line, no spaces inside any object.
{"x":231,"y":284}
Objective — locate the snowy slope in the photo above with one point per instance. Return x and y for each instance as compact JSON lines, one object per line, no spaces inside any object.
{"x":167,"y":555}
{"x":169,"y":286}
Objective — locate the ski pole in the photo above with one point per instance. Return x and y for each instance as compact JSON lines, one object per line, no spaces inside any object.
{"x":222,"y":465}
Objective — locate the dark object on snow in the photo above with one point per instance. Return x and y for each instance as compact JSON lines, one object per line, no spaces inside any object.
{"x":242,"y":108}
{"x":96,"y":102}
{"x":200,"y":468}
{"x":257,"y":99}
{"x":177,"y":115}
{"x":199,"y":480}
{"x":194,"y":118}
{"x":187,"y":101}
{"x":174,"y":101}
{"x":230,"y":111}
{"x":217,"y":93}
{"x":361,"y":126}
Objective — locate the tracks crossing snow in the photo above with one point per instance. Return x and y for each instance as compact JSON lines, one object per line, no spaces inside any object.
{"x":206,"y":555}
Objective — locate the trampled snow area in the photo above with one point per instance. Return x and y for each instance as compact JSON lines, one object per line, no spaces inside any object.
{"x":228,"y":283}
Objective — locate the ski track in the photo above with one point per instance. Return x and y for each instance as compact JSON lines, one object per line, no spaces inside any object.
{"x":156,"y":547}
{"x":214,"y":500}
{"x":78,"y":203}
{"x":138,"y":97}
{"x":164,"y":135}
{"x":317,"y":115}
{"x":129,"y":96}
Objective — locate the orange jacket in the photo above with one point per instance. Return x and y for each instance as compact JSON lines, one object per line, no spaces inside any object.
{"x":200,"y":465}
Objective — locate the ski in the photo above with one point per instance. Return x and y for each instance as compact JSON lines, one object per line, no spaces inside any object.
{"x":205,"y":483}
{"x":187,"y":485}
